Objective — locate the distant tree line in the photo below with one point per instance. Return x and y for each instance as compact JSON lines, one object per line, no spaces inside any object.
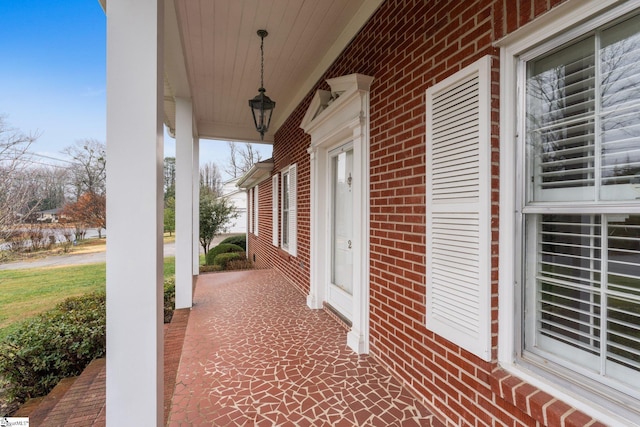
{"x":74,"y":188}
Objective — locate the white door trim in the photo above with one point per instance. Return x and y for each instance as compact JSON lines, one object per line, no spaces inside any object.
{"x":334,"y":118}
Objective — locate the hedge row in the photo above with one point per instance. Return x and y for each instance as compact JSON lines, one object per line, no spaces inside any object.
{"x":240,"y":240}
{"x":59,"y":343}
{"x":53,"y":345}
{"x":222,"y":248}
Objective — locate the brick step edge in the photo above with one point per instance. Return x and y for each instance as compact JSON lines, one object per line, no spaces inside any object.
{"x":83,"y":403}
{"x":38,"y":408}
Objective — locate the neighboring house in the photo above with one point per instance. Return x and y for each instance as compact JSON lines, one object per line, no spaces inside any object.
{"x":457,"y":183}
{"x":238,"y":198}
{"x":49,"y":215}
{"x":253,"y":180}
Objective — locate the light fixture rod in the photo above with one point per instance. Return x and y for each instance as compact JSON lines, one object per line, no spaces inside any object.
{"x":262,"y":34}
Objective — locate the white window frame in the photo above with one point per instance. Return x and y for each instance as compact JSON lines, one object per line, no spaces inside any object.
{"x":562,"y":24}
{"x":292,"y":221}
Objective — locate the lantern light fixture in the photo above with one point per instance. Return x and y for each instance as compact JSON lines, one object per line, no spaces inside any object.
{"x":261,"y":105}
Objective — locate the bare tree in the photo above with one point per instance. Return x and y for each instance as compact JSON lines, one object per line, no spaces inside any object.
{"x":88,"y":173}
{"x":51,"y":186}
{"x":16,"y":187}
{"x":169,"y":178}
{"x":210,"y":180}
{"x":241,"y":158}
{"x":233,"y":166}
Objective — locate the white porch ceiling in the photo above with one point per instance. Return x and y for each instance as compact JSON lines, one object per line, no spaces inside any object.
{"x":212,"y":55}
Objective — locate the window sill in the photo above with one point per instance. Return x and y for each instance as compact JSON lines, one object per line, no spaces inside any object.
{"x":539,"y":404}
{"x":284,"y":254}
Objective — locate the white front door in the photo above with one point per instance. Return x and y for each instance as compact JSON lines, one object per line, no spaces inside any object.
{"x":339,"y":221}
{"x":340,"y":287}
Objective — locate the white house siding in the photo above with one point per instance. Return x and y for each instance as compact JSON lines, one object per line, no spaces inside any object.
{"x":238,"y":198}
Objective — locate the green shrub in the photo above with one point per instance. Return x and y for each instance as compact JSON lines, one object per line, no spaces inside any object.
{"x":239,"y":264}
{"x":240,"y":240}
{"x":235,"y":264}
{"x":209,"y":268}
{"x":224,"y":259}
{"x":222,"y":248}
{"x":53,"y":345}
{"x":59,"y":343}
{"x":169,"y":298}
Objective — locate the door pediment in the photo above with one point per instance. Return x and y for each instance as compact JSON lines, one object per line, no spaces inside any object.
{"x":338,"y":110}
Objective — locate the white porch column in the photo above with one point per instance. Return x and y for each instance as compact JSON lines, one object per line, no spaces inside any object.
{"x":135,"y":362}
{"x":184,"y":202}
{"x":196,"y":207}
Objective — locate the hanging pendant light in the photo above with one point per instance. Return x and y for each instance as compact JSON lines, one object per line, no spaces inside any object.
{"x":261,"y":105}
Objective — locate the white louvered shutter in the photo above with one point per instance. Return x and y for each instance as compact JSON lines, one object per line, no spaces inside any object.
{"x":459,"y":209}
{"x":293,"y":217}
{"x":274,"y":209}
{"x":256,"y":204}
{"x":250,"y":209}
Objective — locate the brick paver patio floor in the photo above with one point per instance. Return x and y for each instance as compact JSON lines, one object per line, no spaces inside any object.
{"x":254,"y":354}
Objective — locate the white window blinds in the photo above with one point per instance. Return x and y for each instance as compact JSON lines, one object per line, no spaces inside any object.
{"x":583,"y":293}
{"x":583,"y":118}
{"x":459,"y":208}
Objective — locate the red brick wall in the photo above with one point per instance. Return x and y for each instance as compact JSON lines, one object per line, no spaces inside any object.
{"x":290,"y":147}
{"x":258,"y":253}
{"x":407,"y":46}
{"x":419,"y":46}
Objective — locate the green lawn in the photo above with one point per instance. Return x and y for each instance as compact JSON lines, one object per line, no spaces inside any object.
{"x":25,"y":293}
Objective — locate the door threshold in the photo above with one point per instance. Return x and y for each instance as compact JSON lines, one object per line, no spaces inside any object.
{"x":335,"y":314}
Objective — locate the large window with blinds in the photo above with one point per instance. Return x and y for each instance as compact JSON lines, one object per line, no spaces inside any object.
{"x":581,"y":208}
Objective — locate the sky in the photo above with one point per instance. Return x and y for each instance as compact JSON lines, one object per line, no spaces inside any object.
{"x":52,"y":77}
